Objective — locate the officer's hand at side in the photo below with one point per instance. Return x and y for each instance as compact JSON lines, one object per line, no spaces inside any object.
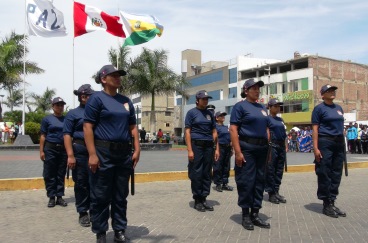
{"x":71,"y":162}
{"x":93,"y":163}
{"x":135,"y":157}
{"x":217,"y":154}
{"x":42,"y":156}
{"x":190,"y":156}
{"x":317,"y":155}
{"x":239,"y":159}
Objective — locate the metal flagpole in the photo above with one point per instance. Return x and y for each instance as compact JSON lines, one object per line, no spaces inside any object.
{"x":24,"y":69}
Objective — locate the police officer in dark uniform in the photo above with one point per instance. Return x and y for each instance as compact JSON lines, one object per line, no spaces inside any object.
{"x":52,"y":152}
{"x":249,"y":136}
{"x":109,"y":125}
{"x":78,"y":154}
{"x":328,"y":145}
{"x":278,"y":154}
{"x":201,"y":136}
{"x":221,"y":168}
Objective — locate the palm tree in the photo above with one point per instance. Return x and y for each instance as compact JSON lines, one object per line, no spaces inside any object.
{"x":43,"y":102}
{"x":120,"y":59}
{"x":151,"y":76}
{"x":11,"y":61}
{"x":15,"y":98}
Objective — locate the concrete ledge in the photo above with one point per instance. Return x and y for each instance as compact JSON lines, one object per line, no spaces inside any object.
{"x":144,"y":147}
{"x":38,"y":183}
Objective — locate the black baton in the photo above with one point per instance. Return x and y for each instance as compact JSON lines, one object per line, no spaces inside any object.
{"x":132,"y":186}
{"x":285,"y":161}
{"x":345,"y":160}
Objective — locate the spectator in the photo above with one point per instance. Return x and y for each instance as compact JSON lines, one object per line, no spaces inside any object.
{"x":160,"y":135}
{"x":142,"y":134}
{"x":351,"y":136}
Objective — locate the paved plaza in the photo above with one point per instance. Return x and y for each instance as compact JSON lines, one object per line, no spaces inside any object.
{"x":162,"y":212}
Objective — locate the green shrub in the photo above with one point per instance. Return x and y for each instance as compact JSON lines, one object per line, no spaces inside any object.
{"x":33,"y":130}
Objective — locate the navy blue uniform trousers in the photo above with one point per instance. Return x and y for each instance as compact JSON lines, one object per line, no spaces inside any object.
{"x":110,"y":186}
{"x":329,"y":169}
{"x":275,"y":169}
{"x":199,"y":171}
{"x":250,"y":178}
{"x":81,"y":178}
{"x":54,"y":170}
{"x":221,"y":168}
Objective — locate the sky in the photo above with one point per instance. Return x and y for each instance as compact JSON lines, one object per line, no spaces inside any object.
{"x":222,"y":30}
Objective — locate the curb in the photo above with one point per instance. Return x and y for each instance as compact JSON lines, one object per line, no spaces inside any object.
{"x":38,"y":183}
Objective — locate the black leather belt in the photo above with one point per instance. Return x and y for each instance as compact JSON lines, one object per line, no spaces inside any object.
{"x":332,"y":138}
{"x":203,"y":143}
{"x":58,"y":146}
{"x":255,"y":141}
{"x":79,"y":141}
{"x":225,"y":145}
{"x":280,"y":143}
{"x":112,"y":145}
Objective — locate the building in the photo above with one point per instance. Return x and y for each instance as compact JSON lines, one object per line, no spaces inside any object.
{"x":297,"y":83}
{"x":164,"y":112}
{"x":219,"y":79}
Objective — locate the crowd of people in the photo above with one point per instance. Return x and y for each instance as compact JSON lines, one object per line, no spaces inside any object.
{"x":8,"y":134}
{"x":356,"y":137}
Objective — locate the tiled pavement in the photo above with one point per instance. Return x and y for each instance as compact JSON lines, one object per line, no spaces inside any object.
{"x":162,"y":212}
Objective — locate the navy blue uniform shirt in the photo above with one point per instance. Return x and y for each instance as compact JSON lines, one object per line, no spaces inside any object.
{"x":251,"y":118}
{"x":330,"y":119}
{"x":111,"y":115}
{"x":73,"y":124}
{"x":223,"y":134}
{"x":52,"y":127}
{"x":277,"y":128}
{"x":201,"y":123}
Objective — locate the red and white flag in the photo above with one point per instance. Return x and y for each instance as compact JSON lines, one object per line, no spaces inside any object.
{"x":88,"y":19}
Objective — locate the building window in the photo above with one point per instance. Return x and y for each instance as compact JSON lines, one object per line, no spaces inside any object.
{"x":296,"y":106}
{"x":167,"y":124}
{"x":207,"y":79}
{"x":232,"y":92}
{"x":298,"y":84}
{"x":167,"y":113}
{"x":284,"y":87}
{"x":273,"y":88}
{"x":233,"y":75}
{"x":178,"y":101}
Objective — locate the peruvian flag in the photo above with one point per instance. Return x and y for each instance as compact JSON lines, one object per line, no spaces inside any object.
{"x":88,"y":19}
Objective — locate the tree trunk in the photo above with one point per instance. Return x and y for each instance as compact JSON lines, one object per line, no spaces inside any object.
{"x":153,"y":114}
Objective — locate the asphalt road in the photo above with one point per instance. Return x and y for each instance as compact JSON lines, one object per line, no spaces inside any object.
{"x":27,"y":164}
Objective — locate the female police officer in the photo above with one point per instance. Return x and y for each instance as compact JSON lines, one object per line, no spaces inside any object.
{"x":276,"y":165}
{"x":109,"y":125}
{"x":248,"y":132}
{"x":221,"y":169}
{"x":201,"y":136}
{"x":52,"y":152}
{"x":78,"y":154}
{"x":328,"y":144}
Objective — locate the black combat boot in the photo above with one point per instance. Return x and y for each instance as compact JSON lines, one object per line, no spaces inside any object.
{"x":60,"y":201}
{"x":198,"y":205}
{"x":206,"y":206}
{"x":257,"y":221}
{"x":328,"y":209}
{"x":51,"y":203}
{"x":84,"y":219}
{"x":119,"y":236}
{"x":246,"y":221}
{"x":337,"y":210}
{"x":226,"y":187}
{"x":101,"y":237}
{"x":272,"y":198}
{"x":280,"y":198}
{"x":218,"y":188}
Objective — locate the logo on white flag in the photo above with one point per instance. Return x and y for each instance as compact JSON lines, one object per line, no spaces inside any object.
{"x":44,"y":19}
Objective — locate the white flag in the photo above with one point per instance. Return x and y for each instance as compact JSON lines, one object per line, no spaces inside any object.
{"x":44,"y":19}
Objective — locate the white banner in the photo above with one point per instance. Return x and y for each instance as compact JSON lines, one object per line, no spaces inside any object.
{"x":44,"y":19}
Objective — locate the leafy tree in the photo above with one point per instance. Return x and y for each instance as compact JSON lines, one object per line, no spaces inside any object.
{"x":12,"y":61}
{"x":151,"y":76}
{"x":43,"y":102}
